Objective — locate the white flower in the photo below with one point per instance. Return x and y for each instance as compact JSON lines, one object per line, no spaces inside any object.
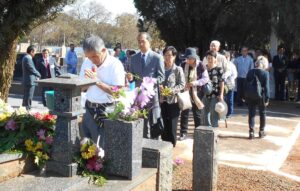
{"x":22,"y":110}
{"x":110,"y":109}
{"x":101,"y":152}
{"x":84,"y":141}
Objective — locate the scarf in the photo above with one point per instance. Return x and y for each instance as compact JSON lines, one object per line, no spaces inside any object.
{"x":193,"y":77}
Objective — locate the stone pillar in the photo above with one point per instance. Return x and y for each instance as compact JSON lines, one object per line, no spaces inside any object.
{"x":205,"y":168}
{"x":159,"y":154}
{"x":67,"y":107}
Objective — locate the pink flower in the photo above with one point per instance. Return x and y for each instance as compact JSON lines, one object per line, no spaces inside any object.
{"x":115,"y":89}
{"x":179,"y":161}
{"x":142,"y":99}
{"x":98,"y":166}
{"x":11,"y":125}
{"x":49,"y":140}
{"x":89,"y":167}
{"x":41,"y":134}
{"x":38,"y":116}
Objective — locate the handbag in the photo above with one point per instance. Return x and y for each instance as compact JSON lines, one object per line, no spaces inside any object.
{"x":207,"y":88}
{"x":184,"y":100}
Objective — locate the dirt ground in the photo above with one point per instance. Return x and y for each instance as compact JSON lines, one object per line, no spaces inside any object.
{"x":292,"y":163}
{"x":235,"y":179}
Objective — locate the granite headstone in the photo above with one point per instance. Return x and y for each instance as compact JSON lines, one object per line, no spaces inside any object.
{"x":205,"y":168}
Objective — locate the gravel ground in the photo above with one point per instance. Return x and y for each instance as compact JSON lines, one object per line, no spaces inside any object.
{"x":236,"y":179}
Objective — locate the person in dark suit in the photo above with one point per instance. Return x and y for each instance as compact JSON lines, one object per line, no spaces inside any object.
{"x":280,"y":63}
{"x":48,"y":68}
{"x":30,"y":75}
{"x":148,"y":63}
{"x":263,"y":77}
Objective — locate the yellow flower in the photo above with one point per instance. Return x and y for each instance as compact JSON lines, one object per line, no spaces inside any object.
{"x":92,"y":150}
{"x":28,"y":143}
{"x":38,"y":146}
{"x":83,"y":147}
{"x":85,"y":155}
{"x":39,"y":154}
{"x":45,"y":156}
{"x":3,"y":117}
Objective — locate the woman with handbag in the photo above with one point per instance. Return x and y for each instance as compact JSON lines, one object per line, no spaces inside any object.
{"x":173,"y":84}
{"x":196,"y":76}
{"x":210,"y":100}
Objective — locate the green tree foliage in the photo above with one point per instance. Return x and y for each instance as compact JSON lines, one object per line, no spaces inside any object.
{"x":286,"y":21}
{"x":233,"y":22}
{"x":17,"y":18}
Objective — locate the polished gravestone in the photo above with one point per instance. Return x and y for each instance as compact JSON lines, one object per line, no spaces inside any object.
{"x":67,"y":107}
{"x":205,"y":168}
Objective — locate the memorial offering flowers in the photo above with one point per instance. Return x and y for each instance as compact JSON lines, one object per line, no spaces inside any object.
{"x":90,"y":162}
{"x":30,"y":133}
{"x":165,"y":91}
{"x":134,"y":104}
{"x":177,"y":162}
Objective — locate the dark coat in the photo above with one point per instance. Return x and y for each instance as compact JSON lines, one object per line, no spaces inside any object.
{"x":264,"y":79}
{"x":30,"y":74}
{"x":54,"y":69}
{"x":280,"y":64}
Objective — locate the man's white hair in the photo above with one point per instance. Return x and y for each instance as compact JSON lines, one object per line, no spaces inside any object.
{"x":216,"y":43}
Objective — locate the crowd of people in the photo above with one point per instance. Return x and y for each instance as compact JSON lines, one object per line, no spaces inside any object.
{"x":210,"y":84}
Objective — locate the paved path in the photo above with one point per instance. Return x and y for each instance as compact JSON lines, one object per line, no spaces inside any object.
{"x":270,"y":153}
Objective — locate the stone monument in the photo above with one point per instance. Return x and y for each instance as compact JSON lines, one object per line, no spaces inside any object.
{"x":205,"y":168}
{"x":67,"y":107}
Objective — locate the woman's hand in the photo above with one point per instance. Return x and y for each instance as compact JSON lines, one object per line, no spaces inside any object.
{"x":220,"y":97}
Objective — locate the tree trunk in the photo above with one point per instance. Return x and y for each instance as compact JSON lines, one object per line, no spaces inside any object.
{"x":7,"y":64}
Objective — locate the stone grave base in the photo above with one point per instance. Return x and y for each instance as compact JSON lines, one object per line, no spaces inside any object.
{"x":51,"y":182}
{"x":12,"y":165}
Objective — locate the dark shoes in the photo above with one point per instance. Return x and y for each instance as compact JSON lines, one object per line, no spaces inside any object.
{"x":182,"y":136}
{"x":262,"y":134}
{"x":251,"y":134}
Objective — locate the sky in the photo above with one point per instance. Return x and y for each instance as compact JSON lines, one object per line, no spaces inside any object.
{"x":116,"y":7}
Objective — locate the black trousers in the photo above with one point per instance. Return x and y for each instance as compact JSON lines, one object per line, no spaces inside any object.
{"x":170,"y":115}
{"x":28,"y":96}
{"x":279,"y":85}
{"x":262,"y":116}
{"x":197,"y":113}
{"x":240,"y":90}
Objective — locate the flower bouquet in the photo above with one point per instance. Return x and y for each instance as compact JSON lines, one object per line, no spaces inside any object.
{"x":31,"y":133}
{"x":132,"y":105}
{"x":90,"y":162}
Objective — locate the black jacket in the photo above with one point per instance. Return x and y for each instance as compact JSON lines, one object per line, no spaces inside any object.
{"x":41,"y":67}
{"x":264,"y":79}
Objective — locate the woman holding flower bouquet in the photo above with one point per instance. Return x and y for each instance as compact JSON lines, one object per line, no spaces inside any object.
{"x":174,"y":82}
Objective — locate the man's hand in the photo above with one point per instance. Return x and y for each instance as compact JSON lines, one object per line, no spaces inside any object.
{"x":266,"y":104}
{"x":129,"y":76}
{"x":88,"y":73}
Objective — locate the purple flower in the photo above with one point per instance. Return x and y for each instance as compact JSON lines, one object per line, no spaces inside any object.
{"x":11,"y":125}
{"x":142,"y":99}
{"x":41,"y":134}
{"x":49,"y":140}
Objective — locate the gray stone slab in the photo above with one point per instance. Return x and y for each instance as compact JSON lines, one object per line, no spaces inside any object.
{"x":205,"y":168}
{"x":123,"y":147}
{"x":10,"y":157}
{"x":159,"y":154}
{"x":34,"y":182}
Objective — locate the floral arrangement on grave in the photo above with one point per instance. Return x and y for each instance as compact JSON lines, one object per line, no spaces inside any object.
{"x":90,"y":162}
{"x":30,"y":133}
{"x":131,"y":105}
